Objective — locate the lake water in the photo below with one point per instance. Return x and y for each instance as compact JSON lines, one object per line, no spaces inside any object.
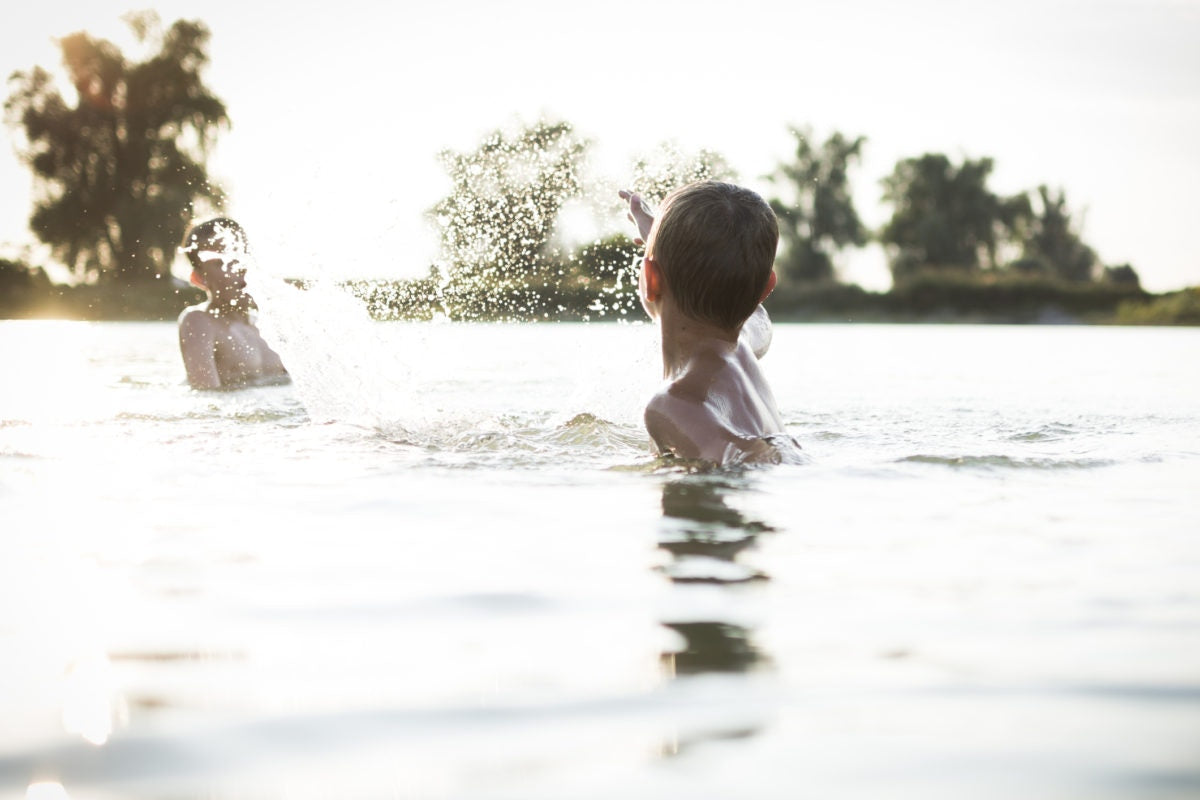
{"x":443,"y":564}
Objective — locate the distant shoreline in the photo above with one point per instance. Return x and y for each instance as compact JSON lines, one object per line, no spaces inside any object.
{"x":930,"y":300}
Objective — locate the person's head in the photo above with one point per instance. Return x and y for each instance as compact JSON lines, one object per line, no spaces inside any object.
{"x":217,"y":250}
{"x":712,"y":247}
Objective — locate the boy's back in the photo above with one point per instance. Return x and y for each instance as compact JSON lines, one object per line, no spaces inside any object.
{"x":718,"y":408}
{"x":708,"y":266}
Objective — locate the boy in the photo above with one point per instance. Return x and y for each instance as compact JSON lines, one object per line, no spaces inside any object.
{"x":221,"y":347}
{"x":708,"y":266}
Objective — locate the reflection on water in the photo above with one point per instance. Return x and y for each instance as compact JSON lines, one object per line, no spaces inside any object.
{"x":90,"y":703}
{"x":711,"y":647}
{"x":706,"y":536}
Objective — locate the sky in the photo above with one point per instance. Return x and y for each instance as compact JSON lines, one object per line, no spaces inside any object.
{"x":339,"y":109}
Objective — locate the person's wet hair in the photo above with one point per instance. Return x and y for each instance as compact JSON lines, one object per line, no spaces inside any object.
{"x":221,"y":234}
{"x":715,"y":244}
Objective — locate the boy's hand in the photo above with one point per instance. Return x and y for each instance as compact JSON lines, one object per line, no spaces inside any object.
{"x":639,"y":214}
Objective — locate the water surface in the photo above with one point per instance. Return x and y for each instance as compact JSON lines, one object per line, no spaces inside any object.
{"x":444,"y":563}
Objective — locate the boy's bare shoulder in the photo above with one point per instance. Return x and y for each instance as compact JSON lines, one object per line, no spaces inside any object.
{"x":718,"y":410}
{"x":679,"y":425}
{"x":685,"y":420}
{"x":696,"y":431}
{"x":196,"y":317}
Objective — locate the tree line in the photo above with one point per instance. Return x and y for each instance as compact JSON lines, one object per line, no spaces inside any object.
{"x":120,"y":172}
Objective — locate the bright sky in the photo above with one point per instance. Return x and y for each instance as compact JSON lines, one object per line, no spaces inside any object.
{"x":340,"y":108}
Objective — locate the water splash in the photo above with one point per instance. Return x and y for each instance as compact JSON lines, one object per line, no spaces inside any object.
{"x":503,"y":257}
{"x":426,"y":384}
{"x":331,"y":347}
{"x":499,"y":258}
{"x":670,"y":166}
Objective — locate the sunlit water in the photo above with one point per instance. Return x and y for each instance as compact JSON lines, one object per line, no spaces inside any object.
{"x":443,"y":563}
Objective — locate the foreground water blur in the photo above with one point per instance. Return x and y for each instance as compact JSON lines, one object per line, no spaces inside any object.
{"x":444,"y":564}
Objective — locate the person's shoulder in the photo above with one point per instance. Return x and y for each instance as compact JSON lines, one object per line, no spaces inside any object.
{"x":194,"y":313}
{"x":195,"y":321}
{"x":667,"y":400}
{"x":680,"y":423}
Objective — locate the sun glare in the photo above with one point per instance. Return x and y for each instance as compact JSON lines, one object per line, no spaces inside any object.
{"x":46,"y":790}
{"x":89,"y":707}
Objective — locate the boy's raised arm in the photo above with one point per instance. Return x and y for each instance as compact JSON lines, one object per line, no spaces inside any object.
{"x":639,"y":214}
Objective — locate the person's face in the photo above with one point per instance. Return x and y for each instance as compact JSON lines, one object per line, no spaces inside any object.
{"x":221,"y":273}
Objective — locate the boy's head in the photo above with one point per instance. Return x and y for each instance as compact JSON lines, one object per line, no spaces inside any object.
{"x":714,"y":244}
{"x":216,"y":248}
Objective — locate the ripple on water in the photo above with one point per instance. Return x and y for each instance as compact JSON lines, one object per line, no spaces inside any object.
{"x":1051,"y":432}
{"x":19,"y":455}
{"x":1007,"y":462}
{"x":588,"y":430}
{"x":582,"y":432}
{"x":518,"y":441}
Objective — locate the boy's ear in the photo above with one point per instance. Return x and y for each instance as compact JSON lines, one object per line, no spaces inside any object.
{"x":653,"y":279}
{"x":771,"y":281}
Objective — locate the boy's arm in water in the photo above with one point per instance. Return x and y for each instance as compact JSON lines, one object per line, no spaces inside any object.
{"x":197,"y":344}
{"x":756,"y":332}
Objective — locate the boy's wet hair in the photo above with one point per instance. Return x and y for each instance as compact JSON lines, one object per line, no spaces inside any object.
{"x":219,"y":233}
{"x":715,"y":245}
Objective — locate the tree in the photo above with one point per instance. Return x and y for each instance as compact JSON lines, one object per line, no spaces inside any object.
{"x":945,"y":217}
{"x":117,"y":174}
{"x":819,"y":217}
{"x":497,"y":223}
{"x":1051,"y":243}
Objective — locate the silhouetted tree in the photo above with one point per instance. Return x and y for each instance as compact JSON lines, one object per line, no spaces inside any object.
{"x":497,"y":222}
{"x":945,"y":217}
{"x":117,"y":173}
{"x":1050,"y":242}
{"x":819,"y":217}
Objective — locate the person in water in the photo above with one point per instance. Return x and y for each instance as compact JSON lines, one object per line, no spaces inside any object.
{"x":708,"y":265}
{"x":221,"y":346}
